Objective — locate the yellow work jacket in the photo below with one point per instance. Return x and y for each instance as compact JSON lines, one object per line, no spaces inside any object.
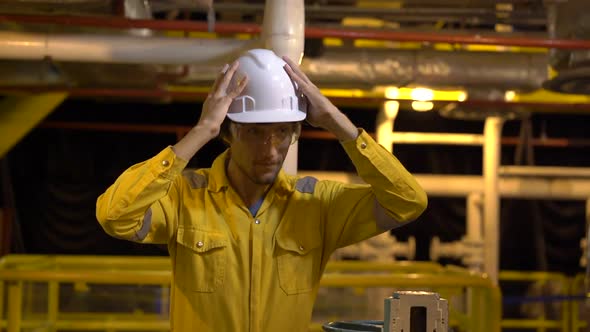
{"x":236,"y":272}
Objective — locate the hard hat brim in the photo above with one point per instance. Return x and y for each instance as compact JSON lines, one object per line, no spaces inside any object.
{"x":267,"y":116}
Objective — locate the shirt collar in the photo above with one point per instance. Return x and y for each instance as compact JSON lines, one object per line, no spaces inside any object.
{"x":218,"y":180}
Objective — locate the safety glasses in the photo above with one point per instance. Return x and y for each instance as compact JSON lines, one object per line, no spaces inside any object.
{"x":276,"y":134}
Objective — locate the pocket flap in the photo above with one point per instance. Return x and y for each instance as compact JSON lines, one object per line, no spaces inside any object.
{"x":299,"y":244}
{"x":199,"y":240}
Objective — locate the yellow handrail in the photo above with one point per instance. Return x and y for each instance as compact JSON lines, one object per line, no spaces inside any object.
{"x":17,"y":270}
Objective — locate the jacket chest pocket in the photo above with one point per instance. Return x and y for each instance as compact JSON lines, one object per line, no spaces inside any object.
{"x":201,"y":258}
{"x":298,"y":263}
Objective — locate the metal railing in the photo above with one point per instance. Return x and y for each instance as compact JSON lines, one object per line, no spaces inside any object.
{"x":32,"y":285}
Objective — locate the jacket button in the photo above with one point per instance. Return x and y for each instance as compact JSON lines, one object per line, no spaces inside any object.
{"x":363,"y":145}
{"x":200,"y":244}
{"x":257,"y":221}
{"x":301,"y":248}
{"x":165,"y":163}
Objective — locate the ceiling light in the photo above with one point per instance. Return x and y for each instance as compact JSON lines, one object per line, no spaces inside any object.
{"x":462,"y":96}
{"x":509,"y":95}
{"x":422,"y":106}
{"x":422,"y":94}
{"x":391,"y":92}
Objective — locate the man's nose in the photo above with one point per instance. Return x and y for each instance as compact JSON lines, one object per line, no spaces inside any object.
{"x":269,"y":146}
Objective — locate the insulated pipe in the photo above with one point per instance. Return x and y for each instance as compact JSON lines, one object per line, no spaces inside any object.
{"x":282,"y":31}
{"x":116,"y":48}
{"x":491,"y":207}
{"x":432,"y":68}
{"x":283,"y":28}
{"x":310,"y":32}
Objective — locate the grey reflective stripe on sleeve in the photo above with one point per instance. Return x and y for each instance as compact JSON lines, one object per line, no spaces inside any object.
{"x":196,"y":181}
{"x":145,"y":227}
{"x":383,"y":220}
{"x":306,"y":185}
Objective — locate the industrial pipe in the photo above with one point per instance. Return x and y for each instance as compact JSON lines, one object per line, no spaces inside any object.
{"x":365,"y":68}
{"x":117,"y":48}
{"x":310,"y":32}
{"x":282,"y":32}
{"x":491,"y":206}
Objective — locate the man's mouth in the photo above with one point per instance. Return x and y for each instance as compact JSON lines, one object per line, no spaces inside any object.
{"x":266,"y":163}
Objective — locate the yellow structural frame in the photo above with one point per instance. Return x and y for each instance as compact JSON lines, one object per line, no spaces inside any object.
{"x":20,"y":114}
{"x":19,"y":271}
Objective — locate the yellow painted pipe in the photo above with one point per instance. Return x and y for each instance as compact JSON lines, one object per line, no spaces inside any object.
{"x":116,"y":270}
{"x":530,"y":323}
{"x":20,"y":114}
{"x":14,"y":306}
{"x":383,"y":266}
{"x":530,"y":276}
{"x":402,"y":280}
{"x":90,"y":276}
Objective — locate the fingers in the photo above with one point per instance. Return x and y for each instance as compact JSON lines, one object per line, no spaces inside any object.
{"x":238,"y":88}
{"x":219,"y":77}
{"x":294,"y":69}
{"x":226,"y":79}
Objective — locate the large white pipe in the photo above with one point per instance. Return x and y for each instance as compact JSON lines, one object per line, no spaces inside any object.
{"x":283,"y":28}
{"x":283,"y":31}
{"x":117,"y":48}
{"x":491,"y":207}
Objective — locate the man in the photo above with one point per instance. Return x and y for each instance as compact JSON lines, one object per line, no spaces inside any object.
{"x":248,"y":242}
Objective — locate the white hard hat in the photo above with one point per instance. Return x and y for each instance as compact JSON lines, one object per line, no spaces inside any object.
{"x":270,"y":95}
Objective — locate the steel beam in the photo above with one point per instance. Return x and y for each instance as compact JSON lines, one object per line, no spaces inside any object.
{"x":20,"y":114}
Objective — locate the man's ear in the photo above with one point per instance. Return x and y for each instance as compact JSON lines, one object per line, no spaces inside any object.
{"x":225,"y":132}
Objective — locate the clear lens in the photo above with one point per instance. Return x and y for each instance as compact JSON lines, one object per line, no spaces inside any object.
{"x":276,"y":134}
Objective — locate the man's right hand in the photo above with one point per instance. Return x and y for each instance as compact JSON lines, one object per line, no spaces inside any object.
{"x":214,"y":111}
{"x":219,"y":99}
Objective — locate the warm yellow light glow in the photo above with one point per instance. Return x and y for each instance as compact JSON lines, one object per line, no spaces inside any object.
{"x":406,"y":93}
{"x":391,"y":108}
{"x":545,"y":96}
{"x":391,"y":92}
{"x":422,"y":94}
{"x":509,"y":95}
{"x":422,"y":106}
{"x":462,"y":96}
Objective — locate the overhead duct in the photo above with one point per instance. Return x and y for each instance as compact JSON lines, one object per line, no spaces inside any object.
{"x":350,"y":68}
{"x":114,"y":48}
{"x":427,"y":67}
{"x":571,"y":20}
{"x":365,"y":69}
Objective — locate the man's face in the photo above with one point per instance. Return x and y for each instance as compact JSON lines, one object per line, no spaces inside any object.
{"x":259,"y":150}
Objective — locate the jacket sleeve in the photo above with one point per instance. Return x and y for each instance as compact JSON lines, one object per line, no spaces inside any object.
{"x":391,"y":196}
{"x":142,"y":204}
